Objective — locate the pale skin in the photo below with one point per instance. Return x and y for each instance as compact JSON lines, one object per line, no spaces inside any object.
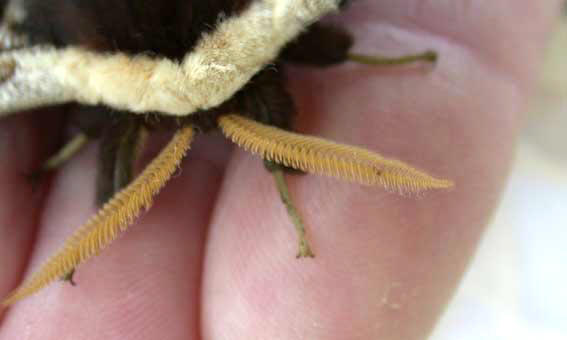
{"x":214,"y":258}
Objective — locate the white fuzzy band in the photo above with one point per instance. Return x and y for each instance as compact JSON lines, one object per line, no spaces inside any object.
{"x":221,"y":63}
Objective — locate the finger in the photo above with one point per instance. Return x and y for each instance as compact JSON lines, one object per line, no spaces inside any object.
{"x":385,"y":265}
{"x":145,"y":286}
{"x":24,"y":143}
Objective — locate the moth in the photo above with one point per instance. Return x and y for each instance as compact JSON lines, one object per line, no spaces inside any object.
{"x":182,"y":65}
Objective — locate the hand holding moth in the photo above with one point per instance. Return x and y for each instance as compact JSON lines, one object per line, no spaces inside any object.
{"x":381,"y":259}
{"x":225,"y":72}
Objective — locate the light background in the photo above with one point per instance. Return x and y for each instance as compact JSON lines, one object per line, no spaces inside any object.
{"x":516,"y":287}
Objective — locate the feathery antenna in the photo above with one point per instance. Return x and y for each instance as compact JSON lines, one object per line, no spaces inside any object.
{"x":319,"y":156}
{"x":114,"y":217}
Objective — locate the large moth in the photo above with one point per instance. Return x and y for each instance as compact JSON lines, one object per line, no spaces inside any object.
{"x":187,"y":66}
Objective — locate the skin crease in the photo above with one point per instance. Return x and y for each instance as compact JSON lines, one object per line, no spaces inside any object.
{"x":214,"y":258}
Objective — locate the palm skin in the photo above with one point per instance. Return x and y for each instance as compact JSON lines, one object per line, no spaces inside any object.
{"x":214,"y":258}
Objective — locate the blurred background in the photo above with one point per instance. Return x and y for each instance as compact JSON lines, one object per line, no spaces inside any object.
{"x":516,"y":287}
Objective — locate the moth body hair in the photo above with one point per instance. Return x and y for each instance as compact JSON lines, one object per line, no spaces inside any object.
{"x":220,"y":64}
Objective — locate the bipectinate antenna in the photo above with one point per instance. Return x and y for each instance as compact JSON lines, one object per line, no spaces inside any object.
{"x":114,"y":218}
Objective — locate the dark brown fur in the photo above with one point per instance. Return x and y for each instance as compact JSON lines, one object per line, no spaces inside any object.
{"x":321,"y":45}
{"x":162,"y":27}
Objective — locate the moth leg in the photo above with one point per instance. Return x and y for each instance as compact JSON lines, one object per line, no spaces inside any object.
{"x":427,"y":56}
{"x":90,"y":121}
{"x":278,"y":171}
{"x":117,"y":155}
{"x":266,"y":100}
{"x":327,"y":45}
{"x":69,"y":277}
{"x":68,"y":151}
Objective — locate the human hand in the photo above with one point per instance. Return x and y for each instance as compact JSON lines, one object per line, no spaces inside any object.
{"x":214,"y":258}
